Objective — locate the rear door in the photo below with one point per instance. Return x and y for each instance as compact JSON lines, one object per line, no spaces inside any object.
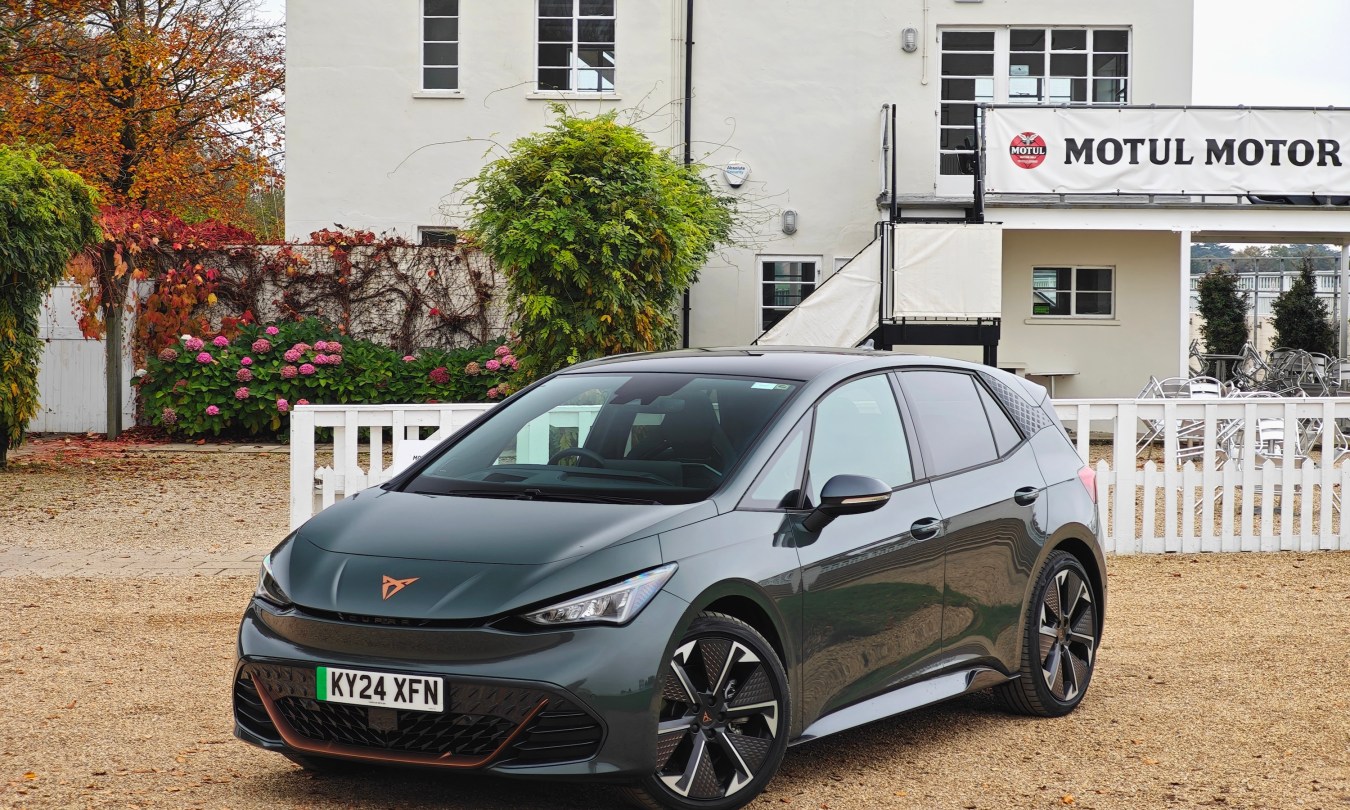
{"x":989,"y":492}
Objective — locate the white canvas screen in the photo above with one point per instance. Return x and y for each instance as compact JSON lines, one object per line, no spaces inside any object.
{"x":1140,"y":150}
{"x":948,"y":271}
{"x":841,"y":312}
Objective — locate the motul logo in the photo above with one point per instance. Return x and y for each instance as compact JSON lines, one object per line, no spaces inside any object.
{"x":1027,"y":150}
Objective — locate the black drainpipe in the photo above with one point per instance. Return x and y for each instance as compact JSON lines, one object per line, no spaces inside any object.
{"x":688,"y":118}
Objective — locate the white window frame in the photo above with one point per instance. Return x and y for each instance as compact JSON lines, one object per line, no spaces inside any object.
{"x":573,"y":70}
{"x":1073,"y":291}
{"x":760,"y":260}
{"x":962,"y":185}
{"x":422,"y":75}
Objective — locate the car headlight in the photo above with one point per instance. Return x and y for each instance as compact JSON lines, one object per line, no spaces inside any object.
{"x":268,"y":589}
{"x":613,"y":605}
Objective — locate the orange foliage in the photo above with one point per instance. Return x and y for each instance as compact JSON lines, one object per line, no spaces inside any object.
{"x":171,"y":105}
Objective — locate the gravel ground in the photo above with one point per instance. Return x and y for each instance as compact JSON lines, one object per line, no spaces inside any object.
{"x":1221,"y":682}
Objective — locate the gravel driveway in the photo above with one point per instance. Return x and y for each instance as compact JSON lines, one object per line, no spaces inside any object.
{"x":1222,"y":679}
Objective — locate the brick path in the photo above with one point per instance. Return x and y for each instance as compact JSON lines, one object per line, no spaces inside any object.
{"x":17,"y":562}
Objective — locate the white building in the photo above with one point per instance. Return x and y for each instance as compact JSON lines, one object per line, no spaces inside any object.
{"x":390,"y":104}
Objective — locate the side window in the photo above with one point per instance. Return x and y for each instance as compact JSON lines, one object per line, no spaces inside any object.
{"x":951,"y":418}
{"x":858,"y":432}
{"x":1005,"y":434}
{"x":777,"y":485}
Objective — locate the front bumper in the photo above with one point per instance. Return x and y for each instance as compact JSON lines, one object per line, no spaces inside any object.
{"x":556,"y":704}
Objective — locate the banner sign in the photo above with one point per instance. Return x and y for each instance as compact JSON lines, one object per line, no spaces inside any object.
{"x":1143,"y":150}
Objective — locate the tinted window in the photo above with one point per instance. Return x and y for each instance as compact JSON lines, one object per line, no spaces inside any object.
{"x":1006,"y":436}
{"x":858,"y":432}
{"x":670,"y":438}
{"x":950,"y":416}
{"x":777,"y":485}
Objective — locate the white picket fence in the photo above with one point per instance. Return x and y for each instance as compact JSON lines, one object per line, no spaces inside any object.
{"x":1206,"y":492}
{"x":1211,"y":489}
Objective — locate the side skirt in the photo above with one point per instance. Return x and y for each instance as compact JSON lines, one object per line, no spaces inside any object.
{"x":906,"y":698}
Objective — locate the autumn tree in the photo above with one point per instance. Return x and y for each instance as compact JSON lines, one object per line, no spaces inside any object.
{"x":162,"y":105}
{"x":46,"y":217}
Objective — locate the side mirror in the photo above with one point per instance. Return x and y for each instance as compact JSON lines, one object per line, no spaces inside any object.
{"x":847,"y":495}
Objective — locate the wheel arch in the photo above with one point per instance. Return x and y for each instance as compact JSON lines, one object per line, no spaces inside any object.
{"x":1093,"y":563}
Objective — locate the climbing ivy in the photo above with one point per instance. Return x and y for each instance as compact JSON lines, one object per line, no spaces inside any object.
{"x":47,"y":216}
{"x":598,"y":232}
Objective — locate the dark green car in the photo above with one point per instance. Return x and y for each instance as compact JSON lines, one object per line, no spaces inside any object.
{"x":662,"y":570}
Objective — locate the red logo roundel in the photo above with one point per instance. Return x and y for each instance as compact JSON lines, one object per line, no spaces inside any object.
{"x":1027,"y":150}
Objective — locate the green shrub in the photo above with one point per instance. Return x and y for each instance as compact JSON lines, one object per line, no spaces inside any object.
{"x":245,"y":384}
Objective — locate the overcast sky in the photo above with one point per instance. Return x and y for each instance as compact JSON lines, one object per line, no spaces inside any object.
{"x":1253,"y":52}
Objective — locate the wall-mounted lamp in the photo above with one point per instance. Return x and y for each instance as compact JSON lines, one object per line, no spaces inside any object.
{"x":909,"y":40}
{"x":789,"y":221}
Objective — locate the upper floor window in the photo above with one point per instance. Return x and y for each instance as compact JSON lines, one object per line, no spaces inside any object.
{"x":1023,"y":66}
{"x":1069,"y":292}
{"x":440,"y":44}
{"x":576,"y":46}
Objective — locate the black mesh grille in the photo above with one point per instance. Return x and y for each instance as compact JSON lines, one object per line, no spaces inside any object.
{"x":249,"y":711}
{"x":561,"y":733}
{"x":1028,"y":417}
{"x":478,"y":720}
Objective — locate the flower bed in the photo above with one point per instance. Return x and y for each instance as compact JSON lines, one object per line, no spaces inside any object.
{"x":245,"y":383}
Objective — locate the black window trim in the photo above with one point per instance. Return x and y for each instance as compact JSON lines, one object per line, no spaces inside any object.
{"x":975,"y":377}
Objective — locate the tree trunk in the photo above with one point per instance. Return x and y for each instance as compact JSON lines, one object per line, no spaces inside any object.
{"x":113,"y":346}
{"x":4,"y":445}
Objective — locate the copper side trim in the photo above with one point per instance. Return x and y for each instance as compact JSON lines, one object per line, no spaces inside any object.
{"x":295,"y":740}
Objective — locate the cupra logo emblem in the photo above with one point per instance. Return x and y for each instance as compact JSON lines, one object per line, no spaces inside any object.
{"x":393,"y":586}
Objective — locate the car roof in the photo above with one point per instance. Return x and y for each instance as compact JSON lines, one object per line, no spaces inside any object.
{"x":781,"y":362}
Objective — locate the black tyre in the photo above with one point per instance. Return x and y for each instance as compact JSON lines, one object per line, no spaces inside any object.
{"x":724,"y":717}
{"x":1059,"y":650}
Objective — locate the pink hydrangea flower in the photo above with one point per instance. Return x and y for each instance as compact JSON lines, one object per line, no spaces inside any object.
{"x":320,"y":359}
{"x":321,"y":346}
{"x":204,"y":357}
{"x":301,"y":347}
{"x":302,"y":402}
{"x":283,"y":405}
{"x":243,"y":375}
{"x":289,"y":372}
{"x":168,"y":355}
{"x":262,"y":345}
{"x":439,"y":375}
{"x":307,"y":369}
{"x":292,"y":356}
{"x":246,"y":361}
{"x":220,"y":341}
{"x":241,"y":392}
{"x":212,"y":410}
{"x":271,"y":330}
{"x":334,"y":347}
{"x":492,"y":393}
{"x":473,"y":369}
{"x":168,"y":416}
{"x":408,"y":358}
{"x":502,"y":350}
{"x":515,"y":364}
{"x":505,"y":389}
{"x":193,"y":344}
{"x":334,"y":359}
{"x":508,"y":359}
{"x":492,"y":365}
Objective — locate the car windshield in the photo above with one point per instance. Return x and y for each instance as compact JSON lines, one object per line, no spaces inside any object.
{"x":610,"y":438}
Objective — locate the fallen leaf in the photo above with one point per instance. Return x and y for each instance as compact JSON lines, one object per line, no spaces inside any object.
{"x":1067,"y":798}
{"x":30,"y":775}
{"x":1150,"y":761}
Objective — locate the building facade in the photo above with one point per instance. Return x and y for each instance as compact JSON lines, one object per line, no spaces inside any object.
{"x":390,"y":105}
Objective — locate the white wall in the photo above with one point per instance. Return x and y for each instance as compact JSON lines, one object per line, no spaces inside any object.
{"x":364,"y":148}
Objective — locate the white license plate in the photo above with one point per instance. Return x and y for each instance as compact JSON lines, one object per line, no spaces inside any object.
{"x":385,"y":689}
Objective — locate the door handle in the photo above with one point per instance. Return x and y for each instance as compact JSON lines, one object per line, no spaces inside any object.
{"x":1026,"y":496}
{"x":925,"y":528}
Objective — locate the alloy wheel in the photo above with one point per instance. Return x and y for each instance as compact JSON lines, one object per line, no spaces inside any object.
{"x":720,"y":716}
{"x":1068,"y":641}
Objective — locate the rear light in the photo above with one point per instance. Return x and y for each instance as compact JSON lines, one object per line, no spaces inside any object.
{"x":1089,"y":479}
